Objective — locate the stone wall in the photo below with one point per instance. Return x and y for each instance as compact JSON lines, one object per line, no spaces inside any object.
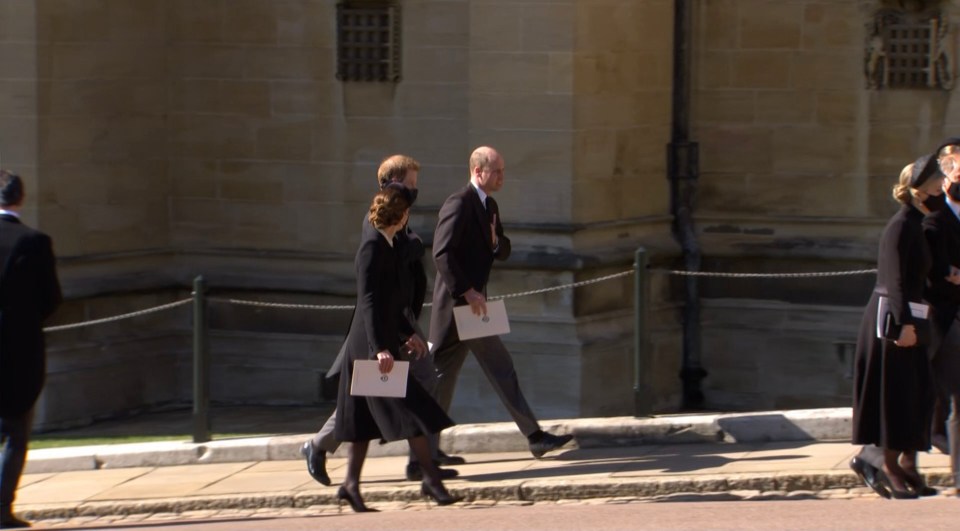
{"x":162,"y":140}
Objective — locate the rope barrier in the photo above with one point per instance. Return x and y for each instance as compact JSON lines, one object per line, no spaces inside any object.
{"x":261,"y":304}
{"x":766,"y":275}
{"x":241,"y":302}
{"x":118,"y":317}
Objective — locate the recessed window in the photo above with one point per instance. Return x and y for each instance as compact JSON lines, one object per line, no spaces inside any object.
{"x":909,"y":50}
{"x":368,"y":41}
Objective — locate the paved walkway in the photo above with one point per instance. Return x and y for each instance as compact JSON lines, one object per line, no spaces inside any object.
{"x":762,"y":455}
{"x":695,"y":471}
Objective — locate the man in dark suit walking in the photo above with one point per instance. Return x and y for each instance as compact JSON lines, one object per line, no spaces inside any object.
{"x":469,"y":237}
{"x":29,"y":293}
{"x":942,"y":230}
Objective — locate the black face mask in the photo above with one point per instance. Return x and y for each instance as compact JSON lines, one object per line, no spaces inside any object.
{"x":954,"y":191}
{"x":934,"y":203}
{"x":410,"y":194}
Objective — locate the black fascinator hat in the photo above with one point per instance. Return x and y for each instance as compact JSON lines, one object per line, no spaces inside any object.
{"x":410,"y":196}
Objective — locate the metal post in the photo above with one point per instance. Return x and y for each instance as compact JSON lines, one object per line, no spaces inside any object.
{"x":201,"y":364}
{"x":642,"y":394}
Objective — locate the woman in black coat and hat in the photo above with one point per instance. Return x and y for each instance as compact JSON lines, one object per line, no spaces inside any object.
{"x":892,"y":394}
{"x":377,"y":332}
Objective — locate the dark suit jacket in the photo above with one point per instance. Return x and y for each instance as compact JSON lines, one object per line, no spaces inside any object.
{"x":464,"y":253}
{"x":29,"y":293}
{"x":942,"y":230}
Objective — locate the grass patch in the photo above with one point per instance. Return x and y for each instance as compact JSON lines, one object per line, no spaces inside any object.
{"x":52,"y":440}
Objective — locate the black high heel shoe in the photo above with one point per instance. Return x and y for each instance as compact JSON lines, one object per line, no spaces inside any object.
{"x":918,"y":485}
{"x":439,"y":494}
{"x":354,"y":500}
{"x":894,"y":493}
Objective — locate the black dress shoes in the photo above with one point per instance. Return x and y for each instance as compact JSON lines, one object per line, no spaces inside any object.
{"x":868,"y":473}
{"x":9,"y":521}
{"x":449,"y":460}
{"x":542,"y":442}
{"x":415,"y":473}
{"x":316,"y":463}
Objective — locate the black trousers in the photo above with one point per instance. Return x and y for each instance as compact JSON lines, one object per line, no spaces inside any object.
{"x":15,"y":436}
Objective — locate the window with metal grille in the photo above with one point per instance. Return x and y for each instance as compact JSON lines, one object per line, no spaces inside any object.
{"x":368,"y":41}
{"x":907,"y":50}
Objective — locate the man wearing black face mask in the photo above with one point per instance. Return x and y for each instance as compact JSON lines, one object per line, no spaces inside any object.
{"x":942,"y":230}
{"x":394,"y":171}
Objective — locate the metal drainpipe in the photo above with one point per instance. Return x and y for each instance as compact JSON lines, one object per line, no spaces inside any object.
{"x":682,"y":171}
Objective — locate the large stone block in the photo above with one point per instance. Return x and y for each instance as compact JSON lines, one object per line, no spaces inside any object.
{"x":764,"y":69}
{"x":306,"y":23}
{"x":73,"y":20}
{"x":210,"y":136}
{"x":770,"y":25}
{"x":18,"y":97}
{"x":285,"y":139}
{"x":201,"y":60}
{"x":735,"y":149}
{"x":133,"y":21}
{"x":496,"y":29}
{"x":100,"y":97}
{"x":838,"y":107}
{"x":306,"y":98}
{"x":436,"y":23}
{"x":834,"y":25}
{"x":191,"y":21}
{"x":828,"y":70}
{"x":509,"y":72}
{"x":813,"y":149}
{"x":547,"y":27}
{"x":437,"y":65}
{"x":442,"y":101}
{"x":715,"y":71}
{"x":250,"y":21}
{"x":787,"y":107}
{"x":289,"y":63}
{"x":727,"y":106}
{"x":107,"y":60}
{"x":720,"y":22}
{"x":18,"y":20}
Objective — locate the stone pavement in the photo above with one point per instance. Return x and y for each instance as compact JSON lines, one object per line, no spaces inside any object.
{"x":751,"y":456}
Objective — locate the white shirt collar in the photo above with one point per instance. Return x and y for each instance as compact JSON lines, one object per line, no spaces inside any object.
{"x":9,"y":213}
{"x":481,"y":193}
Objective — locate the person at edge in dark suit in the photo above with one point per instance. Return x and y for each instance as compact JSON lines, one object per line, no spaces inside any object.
{"x":892,"y":395}
{"x":468,"y":238}
{"x":29,"y":294}
{"x":399,"y":170}
{"x":378,"y":331}
{"x":942,"y":229}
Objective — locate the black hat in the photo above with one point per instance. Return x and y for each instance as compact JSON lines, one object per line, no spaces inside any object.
{"x":407,"y":194}
{"x":929,"y":166}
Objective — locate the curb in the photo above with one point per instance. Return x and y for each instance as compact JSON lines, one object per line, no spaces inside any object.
{"x":672,"y":488}
{"x":829,"y":424}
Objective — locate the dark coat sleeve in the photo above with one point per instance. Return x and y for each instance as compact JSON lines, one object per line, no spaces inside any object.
{"x":446,"y":240}
{"x":370,"y":301}
{"x":901,"y":262}
{"x":941,"y":235}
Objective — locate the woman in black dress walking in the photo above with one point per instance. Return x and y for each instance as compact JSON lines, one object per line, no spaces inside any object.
{"x":377,"y":332}
{"x":892,"y":395}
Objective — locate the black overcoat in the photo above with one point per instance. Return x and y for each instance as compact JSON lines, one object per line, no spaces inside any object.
{"x":892,"y":394}
{"x":379,"y":324}
{"x":29,"y":293}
